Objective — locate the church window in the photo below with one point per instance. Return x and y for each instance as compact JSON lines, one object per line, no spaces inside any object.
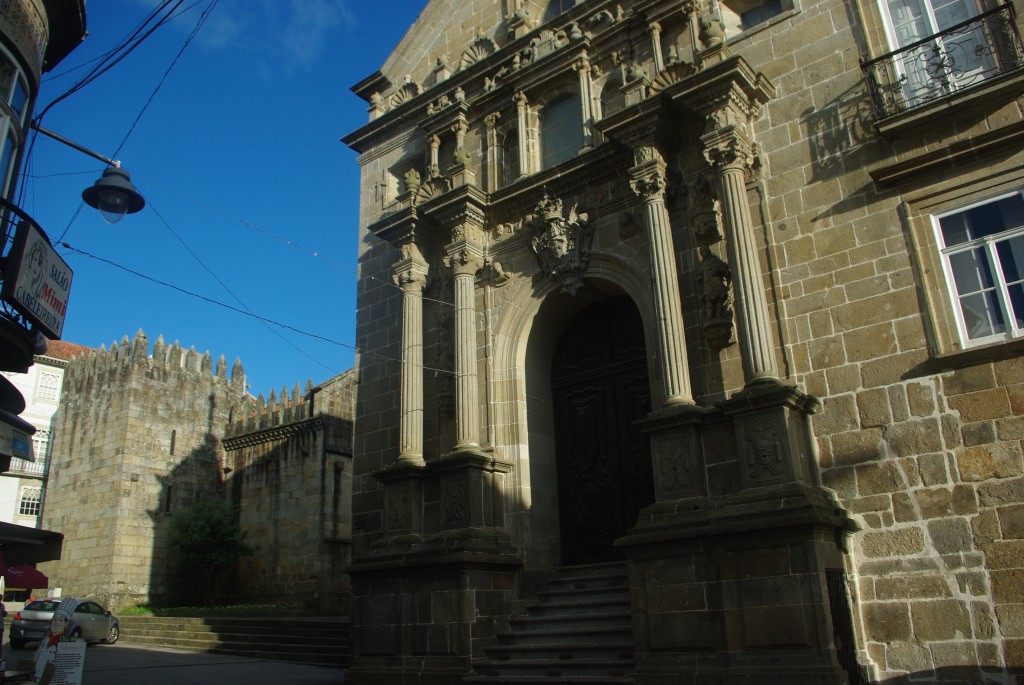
{"x":612,"y":98}
{"x":561,"y":131}
{"x":31,"y":502}
{"x":982,"y":248}
{"x":49,"y":384}
{"x":510,"y":169}
{"x":557,"y":7}
{"x":743,"y":15}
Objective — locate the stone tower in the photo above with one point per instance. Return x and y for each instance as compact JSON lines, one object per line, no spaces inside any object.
{"x":137,"y":436}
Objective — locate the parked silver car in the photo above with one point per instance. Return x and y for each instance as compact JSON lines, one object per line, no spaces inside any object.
{"x":89,"y":621}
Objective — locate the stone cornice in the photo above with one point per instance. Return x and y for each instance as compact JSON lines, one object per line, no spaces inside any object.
{"x":274,"y":434}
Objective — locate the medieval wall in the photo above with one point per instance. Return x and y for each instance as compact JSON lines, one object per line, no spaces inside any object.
{"x":136,"y":437}
{"x":289,"y":462}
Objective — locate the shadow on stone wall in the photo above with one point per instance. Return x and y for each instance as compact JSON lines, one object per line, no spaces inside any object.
{"x":199,"y":474}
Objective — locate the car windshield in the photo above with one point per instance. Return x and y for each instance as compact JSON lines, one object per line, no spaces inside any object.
{"x":42,"y":605}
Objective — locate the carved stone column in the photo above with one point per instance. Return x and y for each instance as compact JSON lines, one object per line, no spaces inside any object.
{"x":461,"y":171}
{"x":730,"y":152}
{"x":582,"y":68}
{"x":410,"y":274}
{"x":493,"y":168}
{"x":659,"y":60}
{"x":523,"y":121}
{"x":647,"y":179}
{"x":465,"y":258}
{"x":434,"y":141}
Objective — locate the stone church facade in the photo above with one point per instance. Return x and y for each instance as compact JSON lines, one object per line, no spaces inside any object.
{"x":726,"y":294}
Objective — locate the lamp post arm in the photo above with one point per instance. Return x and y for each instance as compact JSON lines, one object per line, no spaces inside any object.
{"x":80,"y":148}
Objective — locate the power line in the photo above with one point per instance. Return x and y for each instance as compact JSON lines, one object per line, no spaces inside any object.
{"x":236,"y":297}
{"x":210,"y":300}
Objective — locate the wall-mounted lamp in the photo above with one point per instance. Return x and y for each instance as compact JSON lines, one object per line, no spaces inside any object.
{"x":113,"y":194}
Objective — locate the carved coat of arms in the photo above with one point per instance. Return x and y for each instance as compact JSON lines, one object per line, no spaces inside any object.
{"x":562,"y":244}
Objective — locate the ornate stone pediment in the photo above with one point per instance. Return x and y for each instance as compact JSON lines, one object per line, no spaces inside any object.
{"x":562,"y":244}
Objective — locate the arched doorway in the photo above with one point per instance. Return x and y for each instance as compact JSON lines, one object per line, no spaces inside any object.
{"x":599,"y":388}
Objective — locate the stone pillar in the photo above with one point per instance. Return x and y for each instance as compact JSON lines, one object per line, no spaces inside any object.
{"x":410,"y":274}
{"x":434,"y":141}
{"x":465,"y":257}
{"x":659,"y":60}
{"x":582,"y":68}
{"x":461,"y":171}
{"x":493,"y":168}
{"x":647,"y":179}
{"x":730,"y":153}
{"x":523,"y":121}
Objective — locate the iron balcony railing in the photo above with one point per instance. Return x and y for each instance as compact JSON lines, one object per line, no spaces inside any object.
{"x":961,"y":57}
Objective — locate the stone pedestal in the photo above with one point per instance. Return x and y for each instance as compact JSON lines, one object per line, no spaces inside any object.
{"x":728,"y":576}
{"x":429,"y":595}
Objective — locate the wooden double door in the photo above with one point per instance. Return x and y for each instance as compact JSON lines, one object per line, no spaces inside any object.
{"x":600,"y":388}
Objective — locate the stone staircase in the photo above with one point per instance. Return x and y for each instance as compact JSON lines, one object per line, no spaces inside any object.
{"x":578,"y":631}
{"x":311,"y":640}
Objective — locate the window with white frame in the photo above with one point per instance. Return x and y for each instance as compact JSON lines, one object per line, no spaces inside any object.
{"x":49,"y":386}
{"x":950,"y":61}
{"x":31,"y":501}
{"x":40,"y":445}
{"x":14,"y":95}
{"x":982,"y":247}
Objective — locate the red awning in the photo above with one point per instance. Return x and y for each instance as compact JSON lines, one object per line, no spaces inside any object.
{"x":25,"y":578}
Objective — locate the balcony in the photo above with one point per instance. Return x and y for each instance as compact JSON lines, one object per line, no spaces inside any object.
{"x":30,"y":468}
{"x":984,"y":51}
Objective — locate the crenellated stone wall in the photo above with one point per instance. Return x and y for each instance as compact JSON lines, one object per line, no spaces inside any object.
{"x":289,"y":473}
{"x":136,"y":437}
{"x":140,"y":435}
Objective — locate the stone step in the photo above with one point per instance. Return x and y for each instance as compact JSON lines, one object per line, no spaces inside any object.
{"x":578,"y":631}
{"x":604,"y":668}
{"x":556,"y":606}
{"x":561,"y":651}
{"x":621,"y":634}
{"x":565,"y":623}
{"x":236,"y":635}
{"x":314,"y":640}
{"x":545,"y":680}
{"x":584,"y":594}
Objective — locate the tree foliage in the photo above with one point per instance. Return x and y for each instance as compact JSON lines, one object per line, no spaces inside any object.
{"x":204,"y":541}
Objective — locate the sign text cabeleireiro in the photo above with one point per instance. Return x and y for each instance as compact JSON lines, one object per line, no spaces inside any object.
{"x":38,"y":280}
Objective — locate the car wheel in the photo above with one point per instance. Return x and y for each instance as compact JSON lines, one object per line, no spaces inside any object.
{"x":17,"y":644}
{"x":112,"y":635}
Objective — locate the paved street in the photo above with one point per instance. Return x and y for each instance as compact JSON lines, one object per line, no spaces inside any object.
{"x":124,"y":664}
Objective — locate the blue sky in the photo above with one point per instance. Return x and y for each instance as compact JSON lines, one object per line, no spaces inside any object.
{"x":252,"y":199}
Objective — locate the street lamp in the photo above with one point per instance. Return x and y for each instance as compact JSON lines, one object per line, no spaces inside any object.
{"x":113,"y":194}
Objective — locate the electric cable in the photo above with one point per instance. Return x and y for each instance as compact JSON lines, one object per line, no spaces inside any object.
{"x":232,"y":293}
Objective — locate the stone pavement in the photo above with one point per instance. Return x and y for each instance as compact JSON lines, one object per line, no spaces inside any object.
{"x":123,"y":664}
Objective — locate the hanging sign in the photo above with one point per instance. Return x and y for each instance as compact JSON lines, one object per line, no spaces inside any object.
{"x":38,"y":281}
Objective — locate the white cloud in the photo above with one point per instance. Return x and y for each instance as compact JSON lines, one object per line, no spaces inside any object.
{"x":277,"y":35}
